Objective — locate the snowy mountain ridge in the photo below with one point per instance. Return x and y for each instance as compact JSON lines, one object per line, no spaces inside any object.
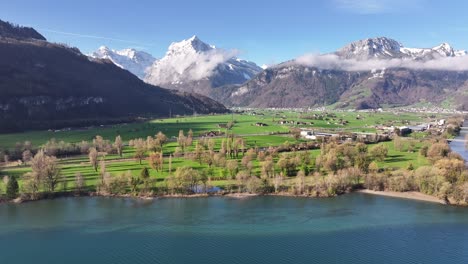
{"x":386,"y":48}
{"x":192,"y":63}
{"x":132,"y":60}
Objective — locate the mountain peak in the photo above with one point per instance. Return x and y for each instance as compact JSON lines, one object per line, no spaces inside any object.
{"x":379,"y":47}
{"x":191,"y":45}
{"x":445,"y":49}
{"x":104,"y":48}
{"x":195,"y":66}
{"x":194,"y":38}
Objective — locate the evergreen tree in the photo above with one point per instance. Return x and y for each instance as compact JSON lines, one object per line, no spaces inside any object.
{"x":12,"y":188}
{"x":145,"y":175}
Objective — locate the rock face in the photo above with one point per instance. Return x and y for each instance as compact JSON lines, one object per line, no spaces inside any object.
{"x":45,"y":85}
{"x":194,"y":66}
{"x":132,"y":60}
{"x":295,"y":84}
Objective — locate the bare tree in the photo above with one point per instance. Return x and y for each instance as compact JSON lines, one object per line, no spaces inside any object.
{"x":79,"y":182}
{"x":438,"y":151}
{"x":181,"y":140}
{"x":189,"y":138}
{"x":156,"y":160}
{"x":253,"y":184}
{"x":31,"y":184}
{"x":139,"y":154}
{"x":5,"y":180}
{"x":47,"y":169}
{"x":242,"y":177}
{"x":27,"y":156}
{"x":277,"y":181}
{"x":84,"y":147}
{"x":118,"y":145}
{"x":102,"y":171}
{"x":232,"y":166}
{"x":102,"y":145}
{"x":161,"y":139}
{"x":300,"y":182}
{"x":93,"y":158}
{"x":198,"y":153}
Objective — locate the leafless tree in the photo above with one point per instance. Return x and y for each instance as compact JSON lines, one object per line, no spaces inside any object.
{"x":161,"y":139}
{"x":139,"y":154}
{"x":79,"y":182}
{"x":47,"y":169}
{"x":27,"y":156}
{"x":300,"y":182}
{"x":118,"y":145}
{"x":93,"y":158}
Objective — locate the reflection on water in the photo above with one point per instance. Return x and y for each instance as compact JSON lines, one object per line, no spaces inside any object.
{"x":356,"y":228}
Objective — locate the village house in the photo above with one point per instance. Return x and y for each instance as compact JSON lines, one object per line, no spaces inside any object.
{"x":211,"y":134}
{"x":259,"y":124}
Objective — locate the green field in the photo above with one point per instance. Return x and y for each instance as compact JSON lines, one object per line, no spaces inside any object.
{"x":70,"y":166}
{"x":274,"y":134}
{"x":245,"y":125}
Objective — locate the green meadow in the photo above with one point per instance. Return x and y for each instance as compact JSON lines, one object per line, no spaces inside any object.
{"x":220,"y":176}
{"x":244,"y":126}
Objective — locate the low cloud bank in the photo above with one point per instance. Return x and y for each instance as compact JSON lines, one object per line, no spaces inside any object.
{"x":332,"y":61}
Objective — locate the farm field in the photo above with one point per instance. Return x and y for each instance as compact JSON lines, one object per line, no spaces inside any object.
{"x":244,"y":125}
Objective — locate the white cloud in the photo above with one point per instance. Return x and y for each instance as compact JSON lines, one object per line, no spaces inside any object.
{"x":376,"y":6}
{"x":332,"y":61}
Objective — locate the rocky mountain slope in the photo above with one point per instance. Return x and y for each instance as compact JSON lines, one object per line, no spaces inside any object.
{"x":9,"y":30}
{"x":194,"y":66}
{"x":46,"y":85}
{"x":369,"y":73}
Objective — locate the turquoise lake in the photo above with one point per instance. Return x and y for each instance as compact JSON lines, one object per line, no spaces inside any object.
{"x":355,"y":228}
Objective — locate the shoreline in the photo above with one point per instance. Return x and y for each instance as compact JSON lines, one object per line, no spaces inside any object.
{"x":417,"y":196}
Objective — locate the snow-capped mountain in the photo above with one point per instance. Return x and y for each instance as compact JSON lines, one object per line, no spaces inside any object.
{"x":132,"y":60}
{"x":192,"y":65}
{"x":386,"y":48}
{"x":369,"y":73}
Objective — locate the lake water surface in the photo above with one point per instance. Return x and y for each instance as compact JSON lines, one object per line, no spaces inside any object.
{"x":355,"y":228}
{"x":459,"y":145}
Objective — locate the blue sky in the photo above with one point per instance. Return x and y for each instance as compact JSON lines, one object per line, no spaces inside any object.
{"x":263,"y":31}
